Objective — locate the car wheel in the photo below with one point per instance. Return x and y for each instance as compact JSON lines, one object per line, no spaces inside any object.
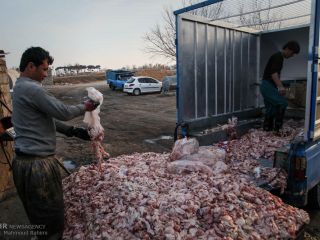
{"x":314,"y":197}
{"x":136,"y":92}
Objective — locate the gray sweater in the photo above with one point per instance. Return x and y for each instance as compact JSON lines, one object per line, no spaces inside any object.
{"x":34,"y":111}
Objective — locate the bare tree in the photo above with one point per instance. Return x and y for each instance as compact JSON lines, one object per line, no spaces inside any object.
{"x":160,"y":40}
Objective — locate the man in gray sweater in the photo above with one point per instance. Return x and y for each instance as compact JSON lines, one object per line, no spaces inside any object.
{"x":35,"y":118}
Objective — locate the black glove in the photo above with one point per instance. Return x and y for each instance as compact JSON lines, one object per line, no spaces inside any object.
{"x":6,"y":137}
{"x":81,"y":133}
{"x":90,"y":105}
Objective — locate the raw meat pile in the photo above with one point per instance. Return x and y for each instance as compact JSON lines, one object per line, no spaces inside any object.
{"x":193,"y":193}
{"x":241,"y":154}
{"x":250,"y":170}
{"x":137,"y":197}
{"x":258,"y":143}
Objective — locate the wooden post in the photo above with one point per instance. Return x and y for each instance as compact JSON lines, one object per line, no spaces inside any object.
{"x":6,"y":181}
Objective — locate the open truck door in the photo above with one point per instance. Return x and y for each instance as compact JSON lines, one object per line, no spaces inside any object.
{"x":303,"y":161}
{"x":312,"y":123}
{"x":217,"y":73}
{"x":304,"y":174}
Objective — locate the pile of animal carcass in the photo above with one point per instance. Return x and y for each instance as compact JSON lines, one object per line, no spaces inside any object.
{"x":193,"y":193}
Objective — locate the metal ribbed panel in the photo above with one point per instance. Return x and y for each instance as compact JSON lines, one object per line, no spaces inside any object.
{"x":211,"y":70}
{"x":217,"y":70}
{"x":187,"y":71}
{"x":201,"y":70}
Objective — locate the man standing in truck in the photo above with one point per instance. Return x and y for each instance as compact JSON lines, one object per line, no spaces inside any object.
{"x":35,"y":170}
{"x":272,"y":89}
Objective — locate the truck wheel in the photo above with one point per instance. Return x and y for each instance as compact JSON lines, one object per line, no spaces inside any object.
{"x":136,"y":92}
{"x":314,"y":197}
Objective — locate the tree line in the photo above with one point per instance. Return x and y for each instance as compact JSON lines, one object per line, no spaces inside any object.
{"x":156,"y":66}
{"x":77,"y":68}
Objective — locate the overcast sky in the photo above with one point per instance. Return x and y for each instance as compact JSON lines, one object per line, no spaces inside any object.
{"x":104,"y":32}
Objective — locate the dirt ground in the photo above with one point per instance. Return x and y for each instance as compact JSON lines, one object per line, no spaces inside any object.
{"x":100,"y":76}
{"x":132,"y":124}
{"x":81,"y":78}
{"x":157,"y":74}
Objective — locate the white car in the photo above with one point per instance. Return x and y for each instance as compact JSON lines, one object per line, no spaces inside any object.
{"x":138,"y":85}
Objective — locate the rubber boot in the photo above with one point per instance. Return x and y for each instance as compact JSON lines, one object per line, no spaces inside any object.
{"x":279,"y":119}
{"x":268,"y":123}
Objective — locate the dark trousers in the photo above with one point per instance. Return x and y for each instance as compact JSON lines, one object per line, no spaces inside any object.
{"x":39,"y":186}
{"x":272,"y":98}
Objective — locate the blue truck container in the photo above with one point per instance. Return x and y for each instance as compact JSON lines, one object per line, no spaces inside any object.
{"x":117,"y":78}
{"x":220,"y":63}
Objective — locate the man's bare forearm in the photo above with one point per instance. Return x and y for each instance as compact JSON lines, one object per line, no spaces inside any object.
{"x":276,"y":80}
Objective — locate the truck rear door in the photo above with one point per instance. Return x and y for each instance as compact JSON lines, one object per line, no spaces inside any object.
{"x":217,"y":72}
{"x":312,"y":118}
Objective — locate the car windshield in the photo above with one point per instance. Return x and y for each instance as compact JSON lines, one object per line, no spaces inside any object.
{"x":131,"y":80}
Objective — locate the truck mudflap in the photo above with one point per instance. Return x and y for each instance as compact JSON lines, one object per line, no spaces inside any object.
{"x":296,"y":200}
{"x":266,"y":186}
{"x":276,"y":190}
{"x":297,"y":196}
{"x":300,"y":233}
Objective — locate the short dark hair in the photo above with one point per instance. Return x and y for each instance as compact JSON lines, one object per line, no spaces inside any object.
{"x":293,"y":46}
{"x":36,"y":55}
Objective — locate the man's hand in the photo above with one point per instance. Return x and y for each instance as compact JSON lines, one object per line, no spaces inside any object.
{"x":90,"y":105}
{"x":81,"y":133}
{"x":282,"y":91}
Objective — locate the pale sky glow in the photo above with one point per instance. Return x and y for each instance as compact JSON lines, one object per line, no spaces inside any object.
{"x":104,"y":32}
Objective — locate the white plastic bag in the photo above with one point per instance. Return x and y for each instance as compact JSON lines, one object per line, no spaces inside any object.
{"x":186,"y":167}
{"x":183,"y":147}
{"x":208,"y":155}
{"x":92,"y":119}
{"x":219,"y":167}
